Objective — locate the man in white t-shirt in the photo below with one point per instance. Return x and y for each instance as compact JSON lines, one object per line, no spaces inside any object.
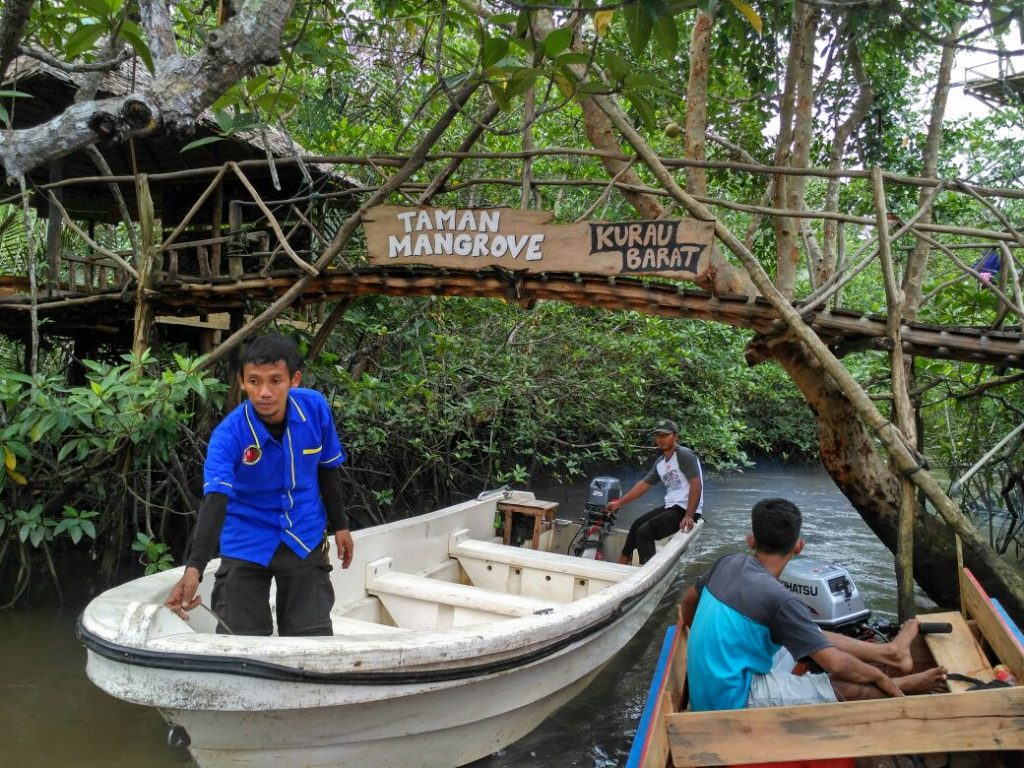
{"x":678,"y":468}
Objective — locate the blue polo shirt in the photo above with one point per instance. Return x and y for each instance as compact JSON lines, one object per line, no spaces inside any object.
{"x":271,"y":484}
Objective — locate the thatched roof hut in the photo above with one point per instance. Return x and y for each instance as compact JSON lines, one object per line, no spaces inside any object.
{"x":51,"y":90}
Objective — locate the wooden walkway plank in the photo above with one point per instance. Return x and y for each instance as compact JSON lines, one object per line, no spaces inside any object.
{"x":979,"y":720}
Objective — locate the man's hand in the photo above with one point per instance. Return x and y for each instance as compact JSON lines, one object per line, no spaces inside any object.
{"x":686,"y":524}
{"x":613,"y":506}
{"x":183,"y":597}
{"x":346,"y":547}
{"x":887,"y":686}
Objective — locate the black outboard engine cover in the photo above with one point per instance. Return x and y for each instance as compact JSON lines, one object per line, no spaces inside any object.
{"x":603,"y":490}
{"x":827,"y":590}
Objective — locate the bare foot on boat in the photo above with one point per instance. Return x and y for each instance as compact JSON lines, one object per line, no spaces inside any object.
{"x":896,"y":653}
{"x":930,"y":681}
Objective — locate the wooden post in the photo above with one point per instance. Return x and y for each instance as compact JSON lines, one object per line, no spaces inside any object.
{"x":902,"y":410}
{"x":147,"y":224}
{"x":53,"y":229}
{"x":215,"y":229}
{"x":204,"y":261}
{"x":235,"y":225}
{"x":90,"y":268}
{"x":837,"y":299}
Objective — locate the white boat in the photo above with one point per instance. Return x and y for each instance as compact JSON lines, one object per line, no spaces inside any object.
{"x":449,"y":645}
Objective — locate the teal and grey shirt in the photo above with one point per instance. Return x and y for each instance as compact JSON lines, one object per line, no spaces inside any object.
{"x":743,"y":618}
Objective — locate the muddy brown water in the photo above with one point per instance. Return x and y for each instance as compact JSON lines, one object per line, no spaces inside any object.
{"x":51,"y":715}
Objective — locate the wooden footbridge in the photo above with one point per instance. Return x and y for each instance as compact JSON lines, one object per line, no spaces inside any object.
{"x":108,"y":315}
{"x":205,"y":249}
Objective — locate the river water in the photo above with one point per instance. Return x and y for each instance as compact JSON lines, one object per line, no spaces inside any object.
{"x":50,"y":714}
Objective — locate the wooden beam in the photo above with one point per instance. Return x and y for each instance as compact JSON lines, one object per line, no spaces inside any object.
{"x":997,"y":633}
{"x":954,"y":722}
{"x":53,"y":228}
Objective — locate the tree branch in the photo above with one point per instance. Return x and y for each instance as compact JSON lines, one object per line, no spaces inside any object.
{"x":159,"y":31}
{"x":12,"y":29}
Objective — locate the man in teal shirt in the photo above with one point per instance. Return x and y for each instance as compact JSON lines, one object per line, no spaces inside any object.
{"x":748,"y":630}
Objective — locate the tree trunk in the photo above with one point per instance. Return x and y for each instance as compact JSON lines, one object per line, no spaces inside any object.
{"x":851,"y":459}
{"x":793,"y":145}
{"x":697,"y":101}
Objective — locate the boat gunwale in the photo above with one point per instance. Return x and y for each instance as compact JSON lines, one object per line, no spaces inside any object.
{"x":258,"y":668}
{"x":461,"y":643}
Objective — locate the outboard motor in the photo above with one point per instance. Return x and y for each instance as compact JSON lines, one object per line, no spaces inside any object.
{"x":596,"y":523}
{"x":602,"y":490}
{"x":828,"y":591}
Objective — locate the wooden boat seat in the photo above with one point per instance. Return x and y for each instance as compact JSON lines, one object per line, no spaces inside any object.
{"x":530,"y":572}
{"x":958,"y":651}
{"x":420,"y":602}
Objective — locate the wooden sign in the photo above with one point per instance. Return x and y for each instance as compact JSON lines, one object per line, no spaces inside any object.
{"x":475,"y":238}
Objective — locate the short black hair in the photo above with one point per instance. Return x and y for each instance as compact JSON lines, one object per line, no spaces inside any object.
{"x":776,"y":526}
{"x":269,"y":349}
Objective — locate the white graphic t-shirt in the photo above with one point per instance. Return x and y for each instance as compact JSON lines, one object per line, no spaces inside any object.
{"x":676,"y":473}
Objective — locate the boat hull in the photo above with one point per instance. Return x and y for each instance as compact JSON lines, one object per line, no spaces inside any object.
{"x":419,"y":699}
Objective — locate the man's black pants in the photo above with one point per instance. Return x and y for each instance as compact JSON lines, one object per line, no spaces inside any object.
{"x":241,"y":594}
{"x":650,"y":527}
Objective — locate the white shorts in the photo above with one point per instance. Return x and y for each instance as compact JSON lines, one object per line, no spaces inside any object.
{"x":781,"y":688}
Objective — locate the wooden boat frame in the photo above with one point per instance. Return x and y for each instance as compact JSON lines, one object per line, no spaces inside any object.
{"x":987,"y":720}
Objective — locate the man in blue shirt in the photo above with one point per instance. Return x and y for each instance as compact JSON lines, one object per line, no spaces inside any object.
{"x":271,"y":483}
{"x":747,"y":629}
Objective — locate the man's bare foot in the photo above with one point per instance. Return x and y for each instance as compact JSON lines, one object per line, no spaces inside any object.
{"x":896,"y":653}
{"x":930,"y":681}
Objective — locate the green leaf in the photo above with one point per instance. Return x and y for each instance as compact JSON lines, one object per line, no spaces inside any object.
{"x":201,"y":142}
{"x":574,"y":58}
{"x":494,"y":50}
{"x":645,"y":80}
{"x":89,"y":529}
{"x":225,"y":120}
{"x":638,"y":27}
{"x":131,"y":32}
{"x":522,"y":81}
{"x":76,"y":535}
{"x":666,"y":36}
{"x":15,"y":95}
{"x":557,"y":41}
{"x":593,"y":86}
{"x":498,"y":94}
{"x":82,"y":39}
{"x":36,"y":535}
{"x":97,"y":7}
{"x":615,"y":65}
{"x":648,"y":115}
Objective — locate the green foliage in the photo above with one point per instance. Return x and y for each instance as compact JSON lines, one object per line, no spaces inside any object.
{"x":440,"y":398}
{"x":79,"y":459}
{"x":155,"y":555}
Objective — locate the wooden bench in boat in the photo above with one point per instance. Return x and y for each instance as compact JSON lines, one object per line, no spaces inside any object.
{"x":420,"y":602}
{"x":547,"y":575}
{"x":959,"y":651}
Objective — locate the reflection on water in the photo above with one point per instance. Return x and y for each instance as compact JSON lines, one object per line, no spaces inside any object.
{"x":53,"y":715}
